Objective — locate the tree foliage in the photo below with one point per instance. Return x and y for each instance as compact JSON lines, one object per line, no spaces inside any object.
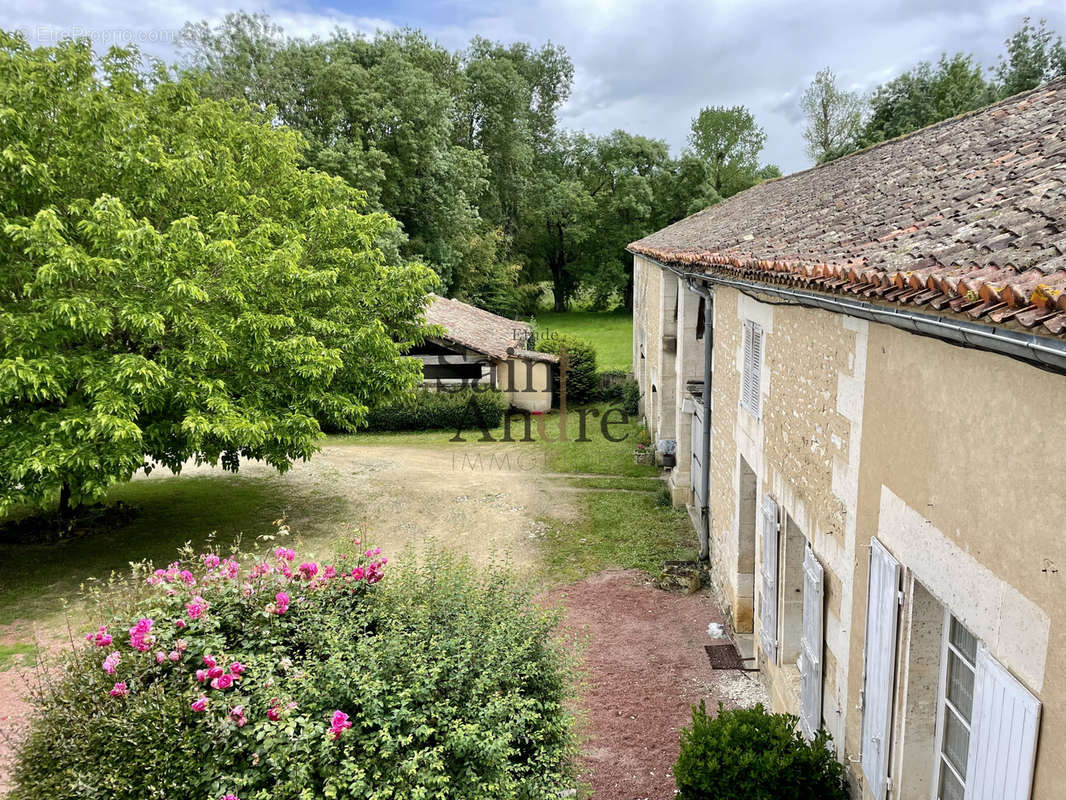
{"x":1034,"y":56}
{"x":175,"y":285}
{"x":834,"y":117}
{"x":728,"y":141}
{"x":923,"y":95}
{"x":929,"y":93}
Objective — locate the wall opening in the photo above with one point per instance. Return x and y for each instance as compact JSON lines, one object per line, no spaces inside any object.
{"x":743,"y":614}
{"x":924,"y":642}
{"x":794,"y":544}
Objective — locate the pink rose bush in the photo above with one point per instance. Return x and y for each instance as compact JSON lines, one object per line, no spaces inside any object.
{"x":272,"y":678}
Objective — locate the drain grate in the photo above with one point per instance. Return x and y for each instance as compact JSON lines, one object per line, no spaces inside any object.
{"x":725,"y":656}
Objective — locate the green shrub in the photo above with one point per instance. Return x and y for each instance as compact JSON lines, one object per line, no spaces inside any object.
{"x":751,"y":754}
{"x":441,"y":681}
{"x":631,"y":397}
{"x":582,"y":382}
{"x":464,"y":409}
{"x":612,"y":386}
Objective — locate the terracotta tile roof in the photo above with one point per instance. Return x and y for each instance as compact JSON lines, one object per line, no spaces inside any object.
{"x":482,"y":331}
{"x":967,"y":216}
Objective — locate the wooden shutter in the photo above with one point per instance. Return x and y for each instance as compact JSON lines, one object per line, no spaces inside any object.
{"x":768,"y":569}
{"x":1003,"y":733}
{"x":879,"y":662}
{"x":811,"y":642}
{"x":751,"y":373}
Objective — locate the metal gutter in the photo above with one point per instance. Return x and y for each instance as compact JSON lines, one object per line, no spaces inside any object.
{"x":1044,"y":352}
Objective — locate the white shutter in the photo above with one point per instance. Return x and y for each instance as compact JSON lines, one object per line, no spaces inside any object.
{"x":882,"y":606}
{"x":811,"y":645}
{"x":768,"y":569}
{"x":1003,"y":733}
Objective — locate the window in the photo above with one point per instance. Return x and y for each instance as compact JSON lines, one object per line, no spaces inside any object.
{"x":752,"y":368}
{"x":959,"y":665}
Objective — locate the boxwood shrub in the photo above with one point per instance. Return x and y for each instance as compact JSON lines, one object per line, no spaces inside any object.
{"x":751,"y":754}
{"x":582,"y":381}
{"x":224,"y":677}
{"x":442,"y":410}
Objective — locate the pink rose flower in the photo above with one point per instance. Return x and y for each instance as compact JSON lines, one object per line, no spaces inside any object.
{"x":196,"y":607}
{"x":338,"y":724}
{"x":120,"y":689}
{"x":222,"y":682}
{"x":141,"y":635}
{"x":180,"y":623}
{"x":174,"y":655}
{"x":199,"y":704}
{"x":209,"y":661}
{"x":237,"y":715}
{"x":237,"y":669}
{"x":160,"y":657}
{"x":284,"y":554}
{"x":201,"y":675}
{"x":101,"y":638}
{"x":111,"y":663}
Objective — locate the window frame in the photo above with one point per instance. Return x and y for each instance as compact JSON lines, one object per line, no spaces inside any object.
{"x":944,"y":705}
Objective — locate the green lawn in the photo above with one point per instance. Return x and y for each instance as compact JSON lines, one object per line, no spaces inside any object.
{"x":611,"y":333}
{"x":624,"y":526}
{"x":35,"y":578}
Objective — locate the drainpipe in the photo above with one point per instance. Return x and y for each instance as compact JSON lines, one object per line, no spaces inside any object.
{"x":705,"y":446}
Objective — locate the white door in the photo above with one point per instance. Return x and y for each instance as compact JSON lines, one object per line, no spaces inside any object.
{"x":771,"y":530}
{"x":879,"y":666}
{"x":1003,"y":734}
{"x":811,"y":642}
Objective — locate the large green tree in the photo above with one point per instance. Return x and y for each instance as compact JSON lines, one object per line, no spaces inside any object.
{"x":729,"y":142}
{"x":923,"y":95}
{"x":378,"y":112}
{"x":1034,"y":56}
{"x":175,"y":285}
{"x":834,"y":118}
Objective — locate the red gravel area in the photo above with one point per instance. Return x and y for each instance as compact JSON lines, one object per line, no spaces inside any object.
{"x":645,"y":666}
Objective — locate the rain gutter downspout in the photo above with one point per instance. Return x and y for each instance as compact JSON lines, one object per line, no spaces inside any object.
{"x":705,"y":446}
{"x":1042,"y":351}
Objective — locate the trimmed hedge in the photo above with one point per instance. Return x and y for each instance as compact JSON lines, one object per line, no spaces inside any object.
{"x":752,"y":754}
{"x":582,"y":380}
{"x":443,"y":410}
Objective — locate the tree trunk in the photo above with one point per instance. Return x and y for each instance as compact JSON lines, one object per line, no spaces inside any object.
{"x":64,"y":500}
{"x":559,"y":286}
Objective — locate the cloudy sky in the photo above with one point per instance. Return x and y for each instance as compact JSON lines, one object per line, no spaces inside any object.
{"x":647,"y":67}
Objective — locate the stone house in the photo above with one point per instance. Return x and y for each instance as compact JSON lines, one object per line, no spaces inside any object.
{"x":864,"y":368}
{"x":474,"y":347}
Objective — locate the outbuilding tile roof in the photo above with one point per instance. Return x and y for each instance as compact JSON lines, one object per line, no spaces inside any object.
{"x":482,"y":331}
{"x":965,"y":216}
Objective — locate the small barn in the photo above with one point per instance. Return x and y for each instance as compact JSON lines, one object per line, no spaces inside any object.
{"x":474,"y":347}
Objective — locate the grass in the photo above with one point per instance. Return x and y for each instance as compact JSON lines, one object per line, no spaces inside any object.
{"x":625,"y":530}
{"x":34,"y":579}
{"x":610,"y":332}
{"x":18,"y":653}
{"x":621,"y":528}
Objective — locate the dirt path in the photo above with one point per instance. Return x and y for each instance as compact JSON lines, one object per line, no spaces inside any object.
{"x":646,"y":667}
